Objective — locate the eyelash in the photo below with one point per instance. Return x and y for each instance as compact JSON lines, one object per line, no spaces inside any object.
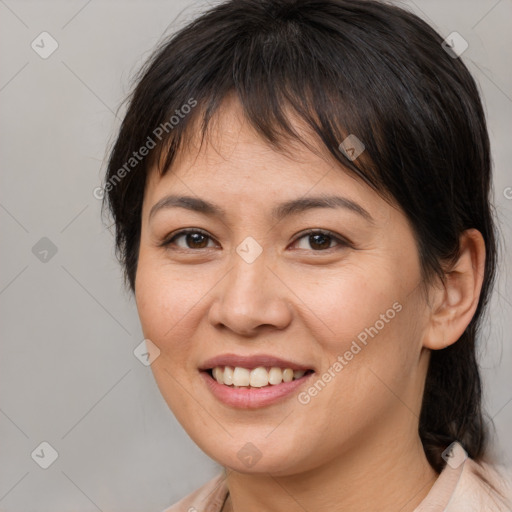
{"x":340,"y":240}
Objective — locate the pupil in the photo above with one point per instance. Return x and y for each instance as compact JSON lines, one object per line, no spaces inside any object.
{"x":193,"y":239}
{"x":322,"y":245}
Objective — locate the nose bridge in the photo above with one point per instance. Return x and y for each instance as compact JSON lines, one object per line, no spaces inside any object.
{"x":250,"y":295}
{"x":248,"y":281}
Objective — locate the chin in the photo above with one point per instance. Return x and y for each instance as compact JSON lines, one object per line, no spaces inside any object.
{"x":251,"y":459}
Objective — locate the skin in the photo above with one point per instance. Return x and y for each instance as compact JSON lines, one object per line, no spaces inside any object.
{"x":356,"y":442}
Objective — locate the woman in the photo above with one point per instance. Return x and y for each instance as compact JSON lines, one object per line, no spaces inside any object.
{"x":300,"y":191}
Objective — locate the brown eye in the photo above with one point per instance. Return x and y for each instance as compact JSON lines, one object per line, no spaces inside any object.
{"x":320,"y":240}
{"x":194,"y":239}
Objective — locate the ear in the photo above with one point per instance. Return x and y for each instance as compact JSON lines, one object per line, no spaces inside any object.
{"x":454,"y":303}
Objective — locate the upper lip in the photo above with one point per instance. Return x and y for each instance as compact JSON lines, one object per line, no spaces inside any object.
{"x":251,"y":362}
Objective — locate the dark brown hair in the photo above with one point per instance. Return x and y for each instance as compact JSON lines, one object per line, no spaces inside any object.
{"x":343,"y":67}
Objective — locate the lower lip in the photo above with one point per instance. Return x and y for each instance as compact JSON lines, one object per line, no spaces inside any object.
{"x":252,"y":398}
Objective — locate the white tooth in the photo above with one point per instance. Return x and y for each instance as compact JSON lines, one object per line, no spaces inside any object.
{"x":217,"y":374}
{"x":297,"y":374}
{"x":241,"y":376}
{"x":259,"y":377}
{"x":228,"y":375}
{"x":287,"y":375}
{"x":275,"y":376}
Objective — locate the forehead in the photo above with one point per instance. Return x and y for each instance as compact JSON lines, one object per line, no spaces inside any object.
{"x":230,"y":137}
{"x":235,"y":163}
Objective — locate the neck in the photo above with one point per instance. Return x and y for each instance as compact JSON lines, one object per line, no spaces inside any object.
{"x":397,"y":477}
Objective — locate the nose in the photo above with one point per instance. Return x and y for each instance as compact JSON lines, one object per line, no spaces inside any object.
{"x":251,"y":298}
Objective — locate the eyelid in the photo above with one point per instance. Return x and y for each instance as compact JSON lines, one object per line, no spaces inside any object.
{"x":175,"y":234}
{"x":342,"y":241}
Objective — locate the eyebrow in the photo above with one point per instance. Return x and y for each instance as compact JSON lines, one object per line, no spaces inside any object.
{"x":292,"y":207}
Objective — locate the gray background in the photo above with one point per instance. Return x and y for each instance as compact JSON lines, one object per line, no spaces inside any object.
{"x":68,"y":375}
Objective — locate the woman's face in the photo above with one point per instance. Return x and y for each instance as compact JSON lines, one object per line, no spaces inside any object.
{"x":253,"y":285}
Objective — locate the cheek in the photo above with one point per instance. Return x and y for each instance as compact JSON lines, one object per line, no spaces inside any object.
{"x":167,"y":302}
{"x":365,"y":319}
{"x":350,"y":301}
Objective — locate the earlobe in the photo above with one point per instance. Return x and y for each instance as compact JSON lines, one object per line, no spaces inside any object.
{"x":455,"y":302}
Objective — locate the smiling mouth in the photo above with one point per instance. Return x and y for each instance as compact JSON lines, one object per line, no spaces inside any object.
{"x":260,"y":377}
